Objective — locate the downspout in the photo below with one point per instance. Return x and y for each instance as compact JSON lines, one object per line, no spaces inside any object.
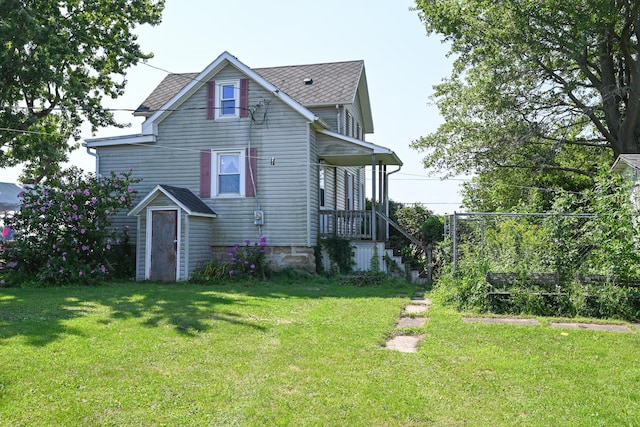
{"x":386,"y":194}
{"x":338,"y":119}
{"x":97,"y":157}
{"x":251,"y":171}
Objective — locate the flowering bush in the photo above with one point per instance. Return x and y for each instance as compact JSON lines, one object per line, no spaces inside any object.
{"x":248,"y":261}
{"x":62,"y":230}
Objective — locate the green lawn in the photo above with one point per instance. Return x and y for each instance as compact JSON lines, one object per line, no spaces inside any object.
{"x":294,"y":355}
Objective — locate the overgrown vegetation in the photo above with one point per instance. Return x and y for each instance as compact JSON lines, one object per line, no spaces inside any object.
{"x":340,"y":253}
{"x":594,"y":253}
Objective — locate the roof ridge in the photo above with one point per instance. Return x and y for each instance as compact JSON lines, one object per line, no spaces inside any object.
{"x":311,"y":65}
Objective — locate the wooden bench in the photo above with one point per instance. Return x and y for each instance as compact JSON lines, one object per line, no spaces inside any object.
{"x":500,"y":284}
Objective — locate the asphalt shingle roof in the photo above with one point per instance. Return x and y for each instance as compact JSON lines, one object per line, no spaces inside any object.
{"x":188,"y":199}
{"x":326,"y":84}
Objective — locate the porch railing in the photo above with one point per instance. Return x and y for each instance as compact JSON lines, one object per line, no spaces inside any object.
{"x":353,"y":225}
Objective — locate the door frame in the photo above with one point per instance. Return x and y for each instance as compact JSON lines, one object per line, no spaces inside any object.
{"x":147,"y":257}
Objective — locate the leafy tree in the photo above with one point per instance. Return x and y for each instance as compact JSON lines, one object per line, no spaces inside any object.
{"x":59,"y":60}
{"x":63,"y":229}
{"x":547,"y":89}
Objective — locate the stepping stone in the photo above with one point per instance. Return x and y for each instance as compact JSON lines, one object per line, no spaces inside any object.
{"x":415,"y":309}
{"x":404,"y":343}
{"x":420,"y":300}
{"x":411,"y":322}
{"x":592,"y":326}
{"x":637,"y":325}
{"x":402,"y":294}
{"x":506,"y":320}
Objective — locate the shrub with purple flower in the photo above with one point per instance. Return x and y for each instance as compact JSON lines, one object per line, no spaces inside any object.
{"x":248,"y":261}
{"x":63,"y":231}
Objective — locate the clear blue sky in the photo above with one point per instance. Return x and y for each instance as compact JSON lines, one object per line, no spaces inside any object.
{"x":401,"y":62}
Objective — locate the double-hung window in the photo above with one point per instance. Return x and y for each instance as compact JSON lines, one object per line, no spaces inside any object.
{"x":228,"y":174}
{"x":227,"y":99}
{"x":228,"y":96}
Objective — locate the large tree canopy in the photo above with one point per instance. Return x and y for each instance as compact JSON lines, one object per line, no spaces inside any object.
{"x":58,"y":61}
{"x":538,"y":86}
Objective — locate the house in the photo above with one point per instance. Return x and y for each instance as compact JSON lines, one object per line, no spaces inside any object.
{"x":234,"y":153}
{"x":629,"y":165}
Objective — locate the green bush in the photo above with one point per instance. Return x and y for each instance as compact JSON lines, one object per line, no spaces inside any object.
{"x":63,"y":232}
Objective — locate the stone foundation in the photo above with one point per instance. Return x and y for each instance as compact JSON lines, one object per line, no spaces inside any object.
{"x":278,"y":257}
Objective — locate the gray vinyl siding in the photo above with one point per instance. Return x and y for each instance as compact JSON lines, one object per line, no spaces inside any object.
{"x":281,"y":188}
{"x":341,"y":187}
{"x":330,"y":187}
{"x":198,"y":241}
{"x":329,"y":115}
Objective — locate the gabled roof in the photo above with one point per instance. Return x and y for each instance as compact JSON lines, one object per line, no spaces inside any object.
{"x":182,"y":197}
{"x":626,"y":160}
{"x":313,"y":85}
{"x":328,"y":84}
{"x":150,"y":125}
{"x":167,"y":88}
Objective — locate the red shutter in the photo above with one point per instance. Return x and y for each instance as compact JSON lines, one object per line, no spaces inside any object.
{"x":250,"y":160}
{"x":211,"y":99}
{"x":205,"y":174}
{"x":244,"y":97}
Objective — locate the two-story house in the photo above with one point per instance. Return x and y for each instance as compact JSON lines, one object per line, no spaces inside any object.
{"x":234,"y":153}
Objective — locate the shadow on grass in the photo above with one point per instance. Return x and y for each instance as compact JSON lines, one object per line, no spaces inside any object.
{"x":42,"y":315}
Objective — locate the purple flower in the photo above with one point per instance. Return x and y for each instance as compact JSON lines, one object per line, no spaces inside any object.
{"x":247,"y":242}
{"x":130,"y":190}
{"x":74,"y":207}
{"x":231,"y":272}
{"x":253,"y":266}
{"x":103,"y":268}
{"x":108,"y":247}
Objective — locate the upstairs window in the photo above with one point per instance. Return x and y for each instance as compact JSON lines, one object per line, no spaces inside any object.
{"x":227,"y":93}
{"x":227,"y":99}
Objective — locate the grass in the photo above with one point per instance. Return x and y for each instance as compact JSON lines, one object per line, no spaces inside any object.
{"x":302,"y":354}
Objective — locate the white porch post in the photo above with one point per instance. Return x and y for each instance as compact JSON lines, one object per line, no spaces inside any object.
{"x":374,"y":219}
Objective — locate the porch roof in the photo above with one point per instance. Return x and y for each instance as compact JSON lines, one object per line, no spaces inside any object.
{"x":341,"y":150}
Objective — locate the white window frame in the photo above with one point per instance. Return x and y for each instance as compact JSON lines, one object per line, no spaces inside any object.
{"x":215,"y":158}
{"x":218,"y":98}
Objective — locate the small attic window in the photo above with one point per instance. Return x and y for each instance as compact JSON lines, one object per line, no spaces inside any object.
{"x":308,"y":81}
